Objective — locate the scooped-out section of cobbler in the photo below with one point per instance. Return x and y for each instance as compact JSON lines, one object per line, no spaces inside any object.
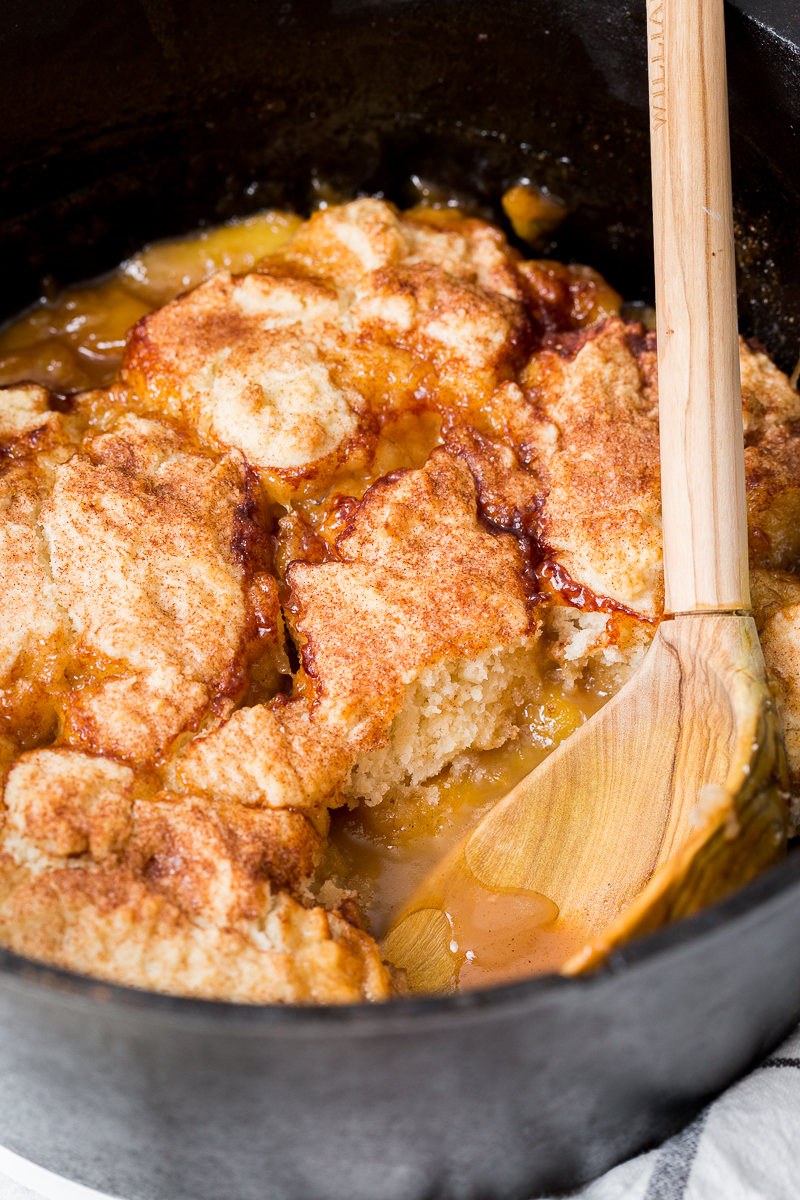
{"x":338,"y":547}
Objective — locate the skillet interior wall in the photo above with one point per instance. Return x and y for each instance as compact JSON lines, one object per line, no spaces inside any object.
{"x":138,"y":120}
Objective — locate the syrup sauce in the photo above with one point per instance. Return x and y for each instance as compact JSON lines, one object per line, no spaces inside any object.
{"x":74,"y":339}
{"x":384,"y":853}
{"x":478,"y":936}
{"x":499,"y":936}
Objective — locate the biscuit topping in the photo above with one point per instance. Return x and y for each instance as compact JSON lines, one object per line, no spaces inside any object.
{"x":344,"y":527}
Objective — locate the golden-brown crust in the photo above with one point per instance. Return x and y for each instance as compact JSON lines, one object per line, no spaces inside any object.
{"x":437,"y":317}
{"x":243,"y":361}
{"x":347,"y":244}
{"x":585,"y":431}
{"x":134,"y":589}
{"x":139,"y":555}
{"x":27,"y":423}
{"x":771,"y":410}
{"x":509,"y":494}
{"x":134,"y":716}
{"x":67,"y":804}
{"x":111,"y":925}
{"x":219,"y":861}
{"x":171,"y":892}
{"x":419,"y":581}
{"x":247,"y":760}
{"x":593,"y":443}
{"x":128,"y":559}
{"x":29,"y":615}
{"x":415,"y":580}
{"x":363,"y":310}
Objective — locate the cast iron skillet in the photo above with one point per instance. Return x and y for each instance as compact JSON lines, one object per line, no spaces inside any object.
{"x":129,"y":121}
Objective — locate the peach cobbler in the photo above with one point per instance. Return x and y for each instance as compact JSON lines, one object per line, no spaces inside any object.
{"x":306,"y":569}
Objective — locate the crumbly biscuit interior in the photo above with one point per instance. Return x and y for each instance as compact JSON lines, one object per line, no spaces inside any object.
{"x":343,"y":527}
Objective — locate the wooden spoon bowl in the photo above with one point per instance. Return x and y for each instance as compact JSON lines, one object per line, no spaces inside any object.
{"x":673,"y":795}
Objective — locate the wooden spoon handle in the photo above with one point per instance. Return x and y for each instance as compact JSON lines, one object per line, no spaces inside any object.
{"x":700,"y":399}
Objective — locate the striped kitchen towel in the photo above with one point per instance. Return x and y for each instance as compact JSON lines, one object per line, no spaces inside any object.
{"x":744,"y":1146}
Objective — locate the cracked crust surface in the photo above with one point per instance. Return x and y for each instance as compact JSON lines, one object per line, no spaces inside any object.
{"x":363,"y":311}
{"x":326,"y":534}
{"x":140,"y":536}
{"x":418,"y":581}
{"x":243,"y":360}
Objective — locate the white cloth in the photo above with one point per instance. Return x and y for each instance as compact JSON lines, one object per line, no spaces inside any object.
{"x":744,"y":1146}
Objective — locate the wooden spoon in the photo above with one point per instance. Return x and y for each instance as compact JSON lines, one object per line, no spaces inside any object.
{"x":674,"y":793}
